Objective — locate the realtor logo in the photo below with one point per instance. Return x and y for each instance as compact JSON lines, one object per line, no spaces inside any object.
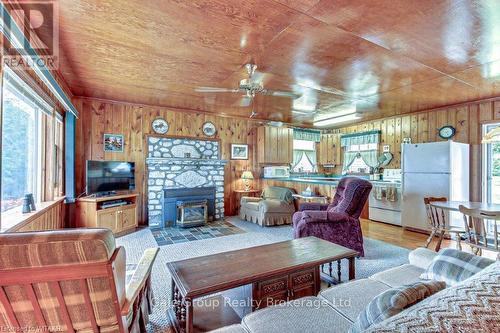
{"x":32,"y":26}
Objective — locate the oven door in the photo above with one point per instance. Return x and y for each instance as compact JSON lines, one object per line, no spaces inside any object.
{"x":385,"y":206}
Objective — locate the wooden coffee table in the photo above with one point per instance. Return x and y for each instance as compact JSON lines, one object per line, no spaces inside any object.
{"x":276,"y":272}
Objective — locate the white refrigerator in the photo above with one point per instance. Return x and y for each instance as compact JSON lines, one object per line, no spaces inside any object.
{"x":436,"y":169}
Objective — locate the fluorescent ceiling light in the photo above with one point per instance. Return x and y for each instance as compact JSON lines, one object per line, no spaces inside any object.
{"x":337,"y":112}
{"x":336,"y":120}
{"x":302,"y":112}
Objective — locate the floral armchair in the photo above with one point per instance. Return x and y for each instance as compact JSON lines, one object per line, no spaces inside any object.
{"x":337,"y":222}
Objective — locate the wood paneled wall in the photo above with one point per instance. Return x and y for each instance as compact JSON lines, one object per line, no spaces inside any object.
{"x":134,"y":122}
{"x":49,"y":217}
{"x":423,"y":127}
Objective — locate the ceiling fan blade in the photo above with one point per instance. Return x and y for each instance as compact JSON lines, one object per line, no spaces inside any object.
{"x":215,"y":90}
{"x":244,"y":101}
{"x":281,"y":93}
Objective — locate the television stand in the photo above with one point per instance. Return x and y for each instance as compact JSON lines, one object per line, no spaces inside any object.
{"x":115,"y":212}
{"x":104,"y":194}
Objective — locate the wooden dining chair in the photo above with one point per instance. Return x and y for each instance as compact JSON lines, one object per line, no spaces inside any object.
{"x":437,"y":219}
{"x":481,"y":230}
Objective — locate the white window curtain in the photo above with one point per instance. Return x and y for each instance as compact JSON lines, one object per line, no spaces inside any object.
{"x":359,"y":139}
{"x":349,"y":157}
{"x":369,"y":157}
{"x":299,"y":155}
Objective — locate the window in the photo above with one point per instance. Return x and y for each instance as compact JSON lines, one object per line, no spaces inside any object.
{"x":491,"y":173}
{"x":359,"y":165}
{"x":22,"y":141}
{"x":58,"y":150}
{"x":304,"y":156}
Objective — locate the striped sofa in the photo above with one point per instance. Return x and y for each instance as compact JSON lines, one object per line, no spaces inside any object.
{"x":72,"y":281}
{"x":470,"y":306}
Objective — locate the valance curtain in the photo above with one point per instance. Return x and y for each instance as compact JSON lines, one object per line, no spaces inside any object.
{"x":306,"y":134}
{"x":360,"y":138}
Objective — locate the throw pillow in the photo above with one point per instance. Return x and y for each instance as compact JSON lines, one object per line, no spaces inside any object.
{"x":393,"y":301}
{"x":453,"y":266}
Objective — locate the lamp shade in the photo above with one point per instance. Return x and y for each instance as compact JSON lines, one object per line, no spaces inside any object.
{"x":247,"y":175}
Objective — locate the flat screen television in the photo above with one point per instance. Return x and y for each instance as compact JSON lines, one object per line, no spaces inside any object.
{"x":109,"y":176}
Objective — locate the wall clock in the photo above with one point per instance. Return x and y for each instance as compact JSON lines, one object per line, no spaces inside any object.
{"x":160,"y":126}
{"x":447,"y":132}
{"x":209,"y":129}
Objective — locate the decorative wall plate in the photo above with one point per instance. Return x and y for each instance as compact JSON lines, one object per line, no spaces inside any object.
{"x":447,"y":132}
{"x":160,"y":126}
{"x":209,"y":129}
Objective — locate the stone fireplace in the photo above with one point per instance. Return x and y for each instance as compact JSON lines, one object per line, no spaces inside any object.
{"x":182,"y":164}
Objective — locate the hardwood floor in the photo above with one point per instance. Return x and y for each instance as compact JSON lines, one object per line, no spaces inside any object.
{"x":397,"y":235}
{"x":408,"y":239}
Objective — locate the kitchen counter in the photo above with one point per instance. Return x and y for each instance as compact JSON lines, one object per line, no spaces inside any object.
{"x":319,"y":184}
{"x":313,"y":179}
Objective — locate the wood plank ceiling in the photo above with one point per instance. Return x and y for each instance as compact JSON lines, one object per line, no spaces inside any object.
{"x":386,"y":56}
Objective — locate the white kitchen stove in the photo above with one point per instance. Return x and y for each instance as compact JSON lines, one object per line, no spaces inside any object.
{"x":385,"y":198}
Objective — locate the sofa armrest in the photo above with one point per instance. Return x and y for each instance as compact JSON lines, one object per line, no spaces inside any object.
{"x":421,"y":257}
{"x":312,"y":206}
{"x":249,"y":199}
{"x":277,"y":206}
{"x":139,"y":278}
{"x":311,"y":216}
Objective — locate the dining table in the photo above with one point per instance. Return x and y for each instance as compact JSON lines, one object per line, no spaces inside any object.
{"x":453,"y":206}
{"x":492,"y":209}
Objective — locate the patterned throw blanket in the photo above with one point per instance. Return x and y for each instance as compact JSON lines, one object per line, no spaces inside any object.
{"x":471,"y":306}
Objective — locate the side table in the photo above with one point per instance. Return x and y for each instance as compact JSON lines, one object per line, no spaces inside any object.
{"x":311,"y":198}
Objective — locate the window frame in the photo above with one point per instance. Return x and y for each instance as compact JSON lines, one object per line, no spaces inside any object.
{"x":24,"y":88}
{"x":313,"y":148}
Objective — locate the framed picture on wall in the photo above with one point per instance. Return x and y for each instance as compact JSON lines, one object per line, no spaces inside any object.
{"x":113,"y":143}
{"x":239,"y":152}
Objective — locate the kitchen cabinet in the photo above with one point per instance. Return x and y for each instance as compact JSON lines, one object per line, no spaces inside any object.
{"x":329,"y":149}
{"x":274,"y":145}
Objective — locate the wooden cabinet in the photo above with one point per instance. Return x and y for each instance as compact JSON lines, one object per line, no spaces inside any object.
{"x":329,"y":149}
{"x":285,"y":288}
{"x":94,"y":213}
{"x":274,"y":145}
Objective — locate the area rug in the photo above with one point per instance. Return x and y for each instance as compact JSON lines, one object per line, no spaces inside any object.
{"x":173,"y":235}
{"x":379,"y":256}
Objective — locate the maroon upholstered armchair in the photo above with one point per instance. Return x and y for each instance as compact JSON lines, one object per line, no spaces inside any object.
{"x":337,"y":222}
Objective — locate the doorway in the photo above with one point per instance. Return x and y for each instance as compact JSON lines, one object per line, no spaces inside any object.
{"x":491,"y":168}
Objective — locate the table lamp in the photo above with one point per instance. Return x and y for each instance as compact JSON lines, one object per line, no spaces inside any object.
{"x":247,"y":176}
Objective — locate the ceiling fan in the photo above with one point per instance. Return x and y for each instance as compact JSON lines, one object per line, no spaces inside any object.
{"x":250,"y":87}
